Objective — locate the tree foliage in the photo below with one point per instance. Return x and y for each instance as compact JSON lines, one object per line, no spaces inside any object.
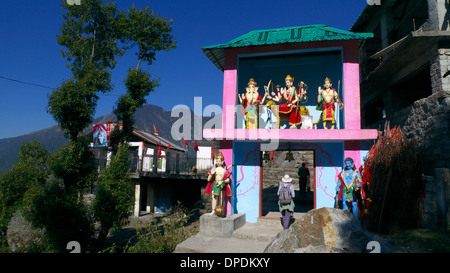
{"x":74,"y":164}
{"x":139,"y":85}
{"x":149,"y":33}
{"x":64,"y":217}
{"x":89,"y":34}
{"x":89,"y":37}
{"x":114,"y":199}
{"x":146,"y":31}
{"x":22,"y":182}
{"x":93,"y":36}
{"x":163,"y":235}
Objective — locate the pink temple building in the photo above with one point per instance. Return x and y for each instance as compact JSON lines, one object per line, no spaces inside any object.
{"x":308,"y":54}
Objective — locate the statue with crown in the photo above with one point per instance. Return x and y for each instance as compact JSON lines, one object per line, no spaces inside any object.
{"x":250,"y":102}
{"x":289,"y":110}
{"x":325,"y":102}
{"x":219,"y":185}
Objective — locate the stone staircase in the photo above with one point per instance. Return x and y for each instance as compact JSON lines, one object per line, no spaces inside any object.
{"x":264,"y":230}
{"x":247,"y":238}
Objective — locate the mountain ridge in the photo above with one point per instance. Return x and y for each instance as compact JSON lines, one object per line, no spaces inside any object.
{"x":53,"y":137}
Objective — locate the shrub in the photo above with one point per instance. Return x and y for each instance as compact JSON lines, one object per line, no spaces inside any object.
{"x":164,"y":234}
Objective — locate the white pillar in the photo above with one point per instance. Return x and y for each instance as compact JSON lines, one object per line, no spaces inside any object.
{"x":137,"y":199}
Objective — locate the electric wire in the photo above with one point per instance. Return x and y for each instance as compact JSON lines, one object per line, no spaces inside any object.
{"x":43,"y":86}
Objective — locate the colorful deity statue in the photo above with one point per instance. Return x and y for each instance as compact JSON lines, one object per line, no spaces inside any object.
{"x":348,"y":187}
{"x":289,"y":110}
{"x":325,"y":103}
{"x":218,"y":185}
{"x":251,"y":101}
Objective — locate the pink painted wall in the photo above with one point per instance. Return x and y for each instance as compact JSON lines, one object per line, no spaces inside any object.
{"x":229,"y":100}
{"x":226,"y":147}
{"x":285,"y":134}
{"x":352,"y":109}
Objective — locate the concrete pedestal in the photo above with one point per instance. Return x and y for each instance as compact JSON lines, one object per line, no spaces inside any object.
{"x":214,"y":226}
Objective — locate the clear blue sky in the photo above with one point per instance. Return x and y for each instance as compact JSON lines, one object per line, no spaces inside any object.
{"x":30,"y":53}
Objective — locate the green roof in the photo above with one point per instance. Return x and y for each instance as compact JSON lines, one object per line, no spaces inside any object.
{"x":301,"y":34}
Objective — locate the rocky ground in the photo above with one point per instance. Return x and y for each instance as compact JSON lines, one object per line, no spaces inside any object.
{"x":420,"y":241}
{"x":410,"y":241}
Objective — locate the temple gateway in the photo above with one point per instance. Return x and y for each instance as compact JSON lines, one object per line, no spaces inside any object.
{"x":290,"y":96}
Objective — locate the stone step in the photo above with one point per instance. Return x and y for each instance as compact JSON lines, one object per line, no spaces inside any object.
{"x":263,"y":232}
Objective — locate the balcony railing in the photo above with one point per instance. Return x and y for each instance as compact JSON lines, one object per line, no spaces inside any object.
{"x":165,"y":165}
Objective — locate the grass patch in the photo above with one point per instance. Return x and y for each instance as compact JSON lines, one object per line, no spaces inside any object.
{"x":421,"y":241}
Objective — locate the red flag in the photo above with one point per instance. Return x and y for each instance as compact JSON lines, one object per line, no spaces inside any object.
{"x":168,"y":146}
{"x":159,"y":149}
{"x":212,"y":154}
{"x":154,"y":129}
{"x":186,"y":143}
{"x":196,"y":147}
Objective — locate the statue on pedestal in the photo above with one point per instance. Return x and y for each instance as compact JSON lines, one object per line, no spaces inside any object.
{"x":325,"y":103}
{"x":218,"y":185}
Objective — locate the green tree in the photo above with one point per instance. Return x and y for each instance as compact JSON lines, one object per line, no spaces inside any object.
{"x":147,"y":33}
{"x":75,"y":166}
{"x":64,"y":217}
{"x":22,"y":182}
{"x":114,"y":198}
{"x":94,"y":35}
{"x":91,"y":49}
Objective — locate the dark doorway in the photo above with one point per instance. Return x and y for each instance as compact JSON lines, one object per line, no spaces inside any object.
{"x":274,"y":166}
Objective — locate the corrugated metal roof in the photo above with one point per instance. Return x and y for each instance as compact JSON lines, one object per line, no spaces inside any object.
{"x":155,"y":139}
{"x":300,"y":34}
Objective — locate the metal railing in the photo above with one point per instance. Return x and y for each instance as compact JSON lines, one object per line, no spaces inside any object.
{"x":186,"y":165}
{"x":167,"y":165}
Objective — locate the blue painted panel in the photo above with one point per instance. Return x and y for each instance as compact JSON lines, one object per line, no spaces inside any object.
{"x":329,"y":159}
{"x":246,"y":174}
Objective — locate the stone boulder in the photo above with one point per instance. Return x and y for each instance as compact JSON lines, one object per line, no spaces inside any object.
{"x":21,"y":236}
{"x":327,"y":230}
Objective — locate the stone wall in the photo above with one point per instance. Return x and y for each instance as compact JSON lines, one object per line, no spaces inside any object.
{"x":274,"y":170}
{"x":436,"y":213}
{"x":428,"y":123}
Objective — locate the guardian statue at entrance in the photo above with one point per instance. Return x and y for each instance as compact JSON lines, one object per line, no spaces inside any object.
{"x":218,"y":185}
{"x":348,"y":187}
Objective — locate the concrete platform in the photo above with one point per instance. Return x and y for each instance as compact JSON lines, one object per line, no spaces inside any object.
{"x":249,"y":238}
{"x":203,"y":244}
{"x":213,"y":226}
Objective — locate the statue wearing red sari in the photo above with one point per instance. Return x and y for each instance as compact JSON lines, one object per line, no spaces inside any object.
{"x":289,"y":110}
